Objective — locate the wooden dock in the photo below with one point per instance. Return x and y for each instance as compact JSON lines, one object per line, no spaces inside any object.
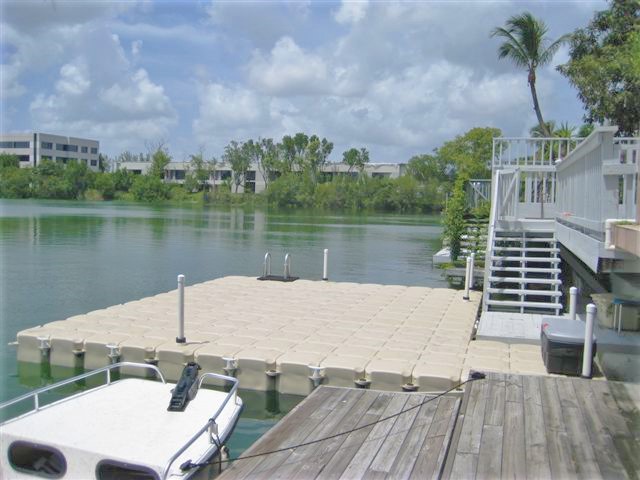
{"x":505,"y":426}
{"x":413,"y":444}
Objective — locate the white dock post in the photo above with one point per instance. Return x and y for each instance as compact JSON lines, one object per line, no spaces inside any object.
{"x":573,"y":301}
{"x":325,"y":265}
{"x":471,"y":269}
{"x":180,"y":338}
{"x":587,"y":354}
{"x":466,"y":279}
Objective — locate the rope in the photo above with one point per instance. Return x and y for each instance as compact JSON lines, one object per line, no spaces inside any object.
{"x":188,"y":465}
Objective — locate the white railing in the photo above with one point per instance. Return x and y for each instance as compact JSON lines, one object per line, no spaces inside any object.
{"x":510,"y":152}
{"x":598,"y":181}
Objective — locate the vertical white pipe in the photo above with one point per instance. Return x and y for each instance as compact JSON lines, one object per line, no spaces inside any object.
{"x":471,"y":268}
{"x":573,"y":302}
{"x":325,"y":265}
{"x":587,"y":354}
{"x":466,"y":279}
{"x":180,"y":338}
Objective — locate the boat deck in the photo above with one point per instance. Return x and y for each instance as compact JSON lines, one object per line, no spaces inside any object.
{"x":506,"y":426}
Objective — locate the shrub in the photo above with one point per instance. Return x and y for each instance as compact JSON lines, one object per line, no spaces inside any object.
{"x":149,"y":188}
{"x":15,"y":182}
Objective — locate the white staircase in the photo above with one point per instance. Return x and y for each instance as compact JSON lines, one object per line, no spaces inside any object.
{"x":523,"y":270}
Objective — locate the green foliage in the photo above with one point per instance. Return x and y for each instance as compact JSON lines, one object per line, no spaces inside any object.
{"x":15,"y":182}
{"x":8,"y":160}
{"x":122,"y":180}
{"x":585,"y":130}
{"x":356,"y":158}
{"x":239,"y":157}
{"x":469,"y":154}
{"x":604,"y":66}
{"x":525,"y":45}
{"x":200,"y":171}
{"x":454,"y":217}
{"x":159,"y":161}
{"x":105,"y":184}
{"x":149,"y":188}
{"x":78,"y":178}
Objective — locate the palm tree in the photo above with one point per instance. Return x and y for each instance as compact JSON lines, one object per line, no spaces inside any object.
{"x":525,"y":44}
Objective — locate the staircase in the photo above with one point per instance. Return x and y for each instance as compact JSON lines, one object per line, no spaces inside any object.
{"x":523,"y":272}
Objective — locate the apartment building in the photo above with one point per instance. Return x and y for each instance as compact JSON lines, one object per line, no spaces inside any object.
{"x":175,"y":172}
{"x":33,"y":148}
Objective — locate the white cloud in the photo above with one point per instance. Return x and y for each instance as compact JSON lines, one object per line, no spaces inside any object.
{"x":351,"y":11}
{"x":73,"y":79}
{"x":288,"y":70}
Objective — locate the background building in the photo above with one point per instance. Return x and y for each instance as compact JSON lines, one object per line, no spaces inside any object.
{"x":32,"y":148}
{"x":175,"y":172}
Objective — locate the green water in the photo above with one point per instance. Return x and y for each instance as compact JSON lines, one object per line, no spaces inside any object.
{"x":66,"y":258}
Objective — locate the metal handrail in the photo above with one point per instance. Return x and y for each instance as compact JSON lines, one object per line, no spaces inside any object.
{"x":36,"y":393}
{"x":266,"y":267}
{"x":210,"y":422}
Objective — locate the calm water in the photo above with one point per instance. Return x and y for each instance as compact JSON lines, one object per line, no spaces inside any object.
{"x":66,"y":258}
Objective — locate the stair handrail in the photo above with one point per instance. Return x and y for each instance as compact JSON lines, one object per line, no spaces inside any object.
{"x":490,"y":236}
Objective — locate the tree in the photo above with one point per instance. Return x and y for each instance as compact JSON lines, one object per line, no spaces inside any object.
{"x":200,"y":171}
{"x":356,"y":158}
{"x":159,"y":161}
{"x":267,"y":158}
{"x":238,"y":157}
{"x":604,"y":66}
{"x":315,"y":156}
{"x":426,"y":167}
{"x":454,"y":221}
{"x":8,"y":160}
{"x":468,"y":154}
{"x":526,"y":45}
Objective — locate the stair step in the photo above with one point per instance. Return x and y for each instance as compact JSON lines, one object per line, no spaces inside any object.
{"x":526,"y":259}
{"x":513,"y":303}
{"x":524,"y":269}
{"x":529,"y":232}
{"x":541,"y":281}
{"x":526,"y":239}
{"x":527,"y":249}
{"x":516,"y":291}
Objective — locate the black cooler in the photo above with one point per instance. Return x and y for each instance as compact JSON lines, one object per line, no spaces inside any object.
{"x":562,"y":342}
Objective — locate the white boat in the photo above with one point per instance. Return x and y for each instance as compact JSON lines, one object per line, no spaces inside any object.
{"x":124,"y":429}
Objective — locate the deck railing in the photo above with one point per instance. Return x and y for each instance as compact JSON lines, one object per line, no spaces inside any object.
{"x":598,"y":181}
{"x":510,"y":152}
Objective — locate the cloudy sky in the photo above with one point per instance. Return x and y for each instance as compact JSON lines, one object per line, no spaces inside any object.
{"x":397,"y":78}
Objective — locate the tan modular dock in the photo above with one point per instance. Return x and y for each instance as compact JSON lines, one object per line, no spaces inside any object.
{"x":507,"y":426}
{"x":276,"y":335}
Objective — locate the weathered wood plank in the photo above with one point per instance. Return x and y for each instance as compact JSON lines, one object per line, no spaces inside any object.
{"x":537,"y":456}
{"x":604,"y":447}
{"x":494,"y":414}
{"x":561,"y":461}
{"x":336,"y":466}
{"x":490,"y":458}
{"x":305,"y":415}
{"x":308,"y":455}
{"x":430,"y":460}
{"x":363,"y":457}
{"x":457,"y":431}
{"x":390,"y":449}
{"x":408,"y":455}
{"x":513,"y":443}
{"x":577,"y":433}
{"x":609,"y":409}
{"x":471,"y":433}
{"x":464,"y":466}
{"x":513,"y":388}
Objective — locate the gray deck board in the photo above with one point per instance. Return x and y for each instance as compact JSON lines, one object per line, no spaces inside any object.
{"x":504,"y":426}
{"x":389,"y":449}
{"x":545,"y":427}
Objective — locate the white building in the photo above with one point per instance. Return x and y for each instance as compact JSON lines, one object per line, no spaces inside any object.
{"x":175,"y":172}
{"x":33,"y":148}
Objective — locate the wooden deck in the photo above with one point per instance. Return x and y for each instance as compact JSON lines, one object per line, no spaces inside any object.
{"x":413,"y":444}
{"x":505,"y":426}
{"x":513,"y":426}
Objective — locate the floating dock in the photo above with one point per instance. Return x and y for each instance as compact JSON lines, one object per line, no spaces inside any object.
{"x":280,"y":336}
{"x":290,"y":336}
{"x":506,"y":426}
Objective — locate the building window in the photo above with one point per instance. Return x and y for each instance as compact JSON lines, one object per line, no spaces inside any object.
{"x":223,"y":174}
{"x":46,"y":145}
{"x":45,"y":157}
{"x":94,"y":150}
{"x":60,"y":147}
{"x":72,"y":148}
{"x":14,"y":144}
{"x":84,"y":149}
{"x":23,"y":158}
{"x":179,"y":174}
{"x":94,"y":163}
{"x":250,"y":175}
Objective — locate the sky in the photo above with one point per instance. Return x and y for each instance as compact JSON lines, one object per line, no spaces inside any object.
{"x":398,"y":78}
